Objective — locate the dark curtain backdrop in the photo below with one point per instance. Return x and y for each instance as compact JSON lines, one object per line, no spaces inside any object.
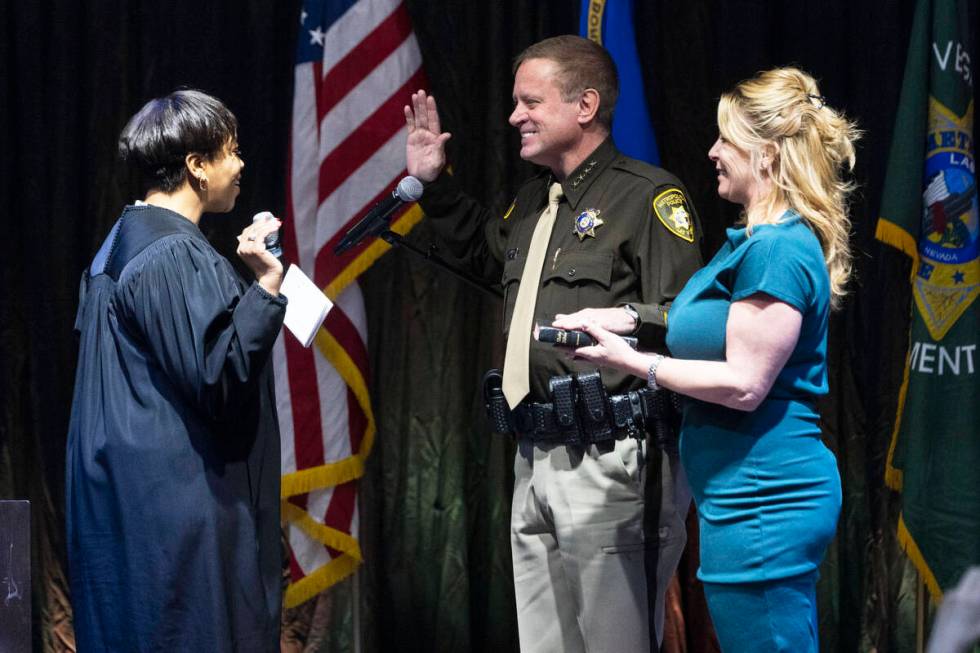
{"x":435,"y":500}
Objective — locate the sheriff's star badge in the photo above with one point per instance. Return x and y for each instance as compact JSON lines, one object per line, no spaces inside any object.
{"x":587,"y":222}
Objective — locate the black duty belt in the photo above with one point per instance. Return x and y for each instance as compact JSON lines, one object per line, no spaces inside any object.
{"x":582,"y":412}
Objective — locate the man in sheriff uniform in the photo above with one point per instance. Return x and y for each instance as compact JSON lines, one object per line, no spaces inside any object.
{"x":598,"y":232}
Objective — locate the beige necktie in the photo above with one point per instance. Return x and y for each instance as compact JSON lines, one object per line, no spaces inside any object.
{"x":517,"y":377}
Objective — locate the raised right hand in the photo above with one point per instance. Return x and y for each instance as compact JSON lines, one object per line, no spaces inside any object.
{"x":425,"y":151}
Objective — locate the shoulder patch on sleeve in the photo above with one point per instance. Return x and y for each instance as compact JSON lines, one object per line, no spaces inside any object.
{"x":510,"y":210}
{"x":674,"y":212}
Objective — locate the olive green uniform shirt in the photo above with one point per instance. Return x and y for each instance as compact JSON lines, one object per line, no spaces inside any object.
{"x":625,"y":234}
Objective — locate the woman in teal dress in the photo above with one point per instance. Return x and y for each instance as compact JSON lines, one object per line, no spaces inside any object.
{"x":748,"y":343}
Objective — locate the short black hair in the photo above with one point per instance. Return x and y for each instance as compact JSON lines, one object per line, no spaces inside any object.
{"x":156,"y":140}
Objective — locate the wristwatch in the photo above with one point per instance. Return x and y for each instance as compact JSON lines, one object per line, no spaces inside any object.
{"x":632,"y":312}
{"x":652,"y":372}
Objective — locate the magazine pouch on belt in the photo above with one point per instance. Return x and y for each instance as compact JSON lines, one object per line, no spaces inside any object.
{"x":563,"y":394}
{"x":593,"y":408}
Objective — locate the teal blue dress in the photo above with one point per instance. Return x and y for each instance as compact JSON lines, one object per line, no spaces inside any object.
{"x":767,"y":490}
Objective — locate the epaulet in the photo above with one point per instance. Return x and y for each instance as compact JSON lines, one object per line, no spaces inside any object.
{"x":656,"y":175}
{"x":529,"y":186}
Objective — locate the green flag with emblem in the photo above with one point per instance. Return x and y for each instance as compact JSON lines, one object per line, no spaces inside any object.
{"x":929,"y":211}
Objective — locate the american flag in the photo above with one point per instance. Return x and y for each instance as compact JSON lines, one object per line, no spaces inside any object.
{"x":357,"y":64}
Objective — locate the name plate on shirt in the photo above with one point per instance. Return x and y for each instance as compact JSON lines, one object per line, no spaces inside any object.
{"x":307,"y":307}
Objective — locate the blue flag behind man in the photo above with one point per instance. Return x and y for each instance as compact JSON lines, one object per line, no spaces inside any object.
{"x":610,"y":24}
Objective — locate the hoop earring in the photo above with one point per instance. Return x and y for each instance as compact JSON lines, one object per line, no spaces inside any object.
{"x":203,"y":183}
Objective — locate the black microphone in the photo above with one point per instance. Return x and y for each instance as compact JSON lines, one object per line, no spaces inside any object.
{"x":272,"y":240}
{"x":409,"y":190}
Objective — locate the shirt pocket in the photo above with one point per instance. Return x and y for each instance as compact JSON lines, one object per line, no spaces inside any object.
{"x":573,"y":281}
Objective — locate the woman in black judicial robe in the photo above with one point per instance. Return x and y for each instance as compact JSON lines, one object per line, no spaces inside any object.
{"x":173,"y":448}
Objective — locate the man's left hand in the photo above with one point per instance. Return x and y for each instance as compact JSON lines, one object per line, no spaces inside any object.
{"x":616,"y":320}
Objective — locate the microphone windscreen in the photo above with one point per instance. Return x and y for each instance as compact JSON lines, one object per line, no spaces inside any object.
{"x":264,"y":215}
{"x":409,"y":189}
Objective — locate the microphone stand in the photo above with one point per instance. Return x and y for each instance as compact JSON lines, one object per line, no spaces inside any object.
{"x":396,"y":239}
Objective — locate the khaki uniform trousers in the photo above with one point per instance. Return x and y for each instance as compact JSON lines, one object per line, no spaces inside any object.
{"x":578,"y":545}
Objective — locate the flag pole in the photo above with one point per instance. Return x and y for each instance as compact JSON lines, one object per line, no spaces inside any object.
{"x":920,"y":613}
{"x":357,"y":609}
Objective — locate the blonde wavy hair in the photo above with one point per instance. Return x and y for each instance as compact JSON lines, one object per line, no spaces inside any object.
{"x":805,"y":148}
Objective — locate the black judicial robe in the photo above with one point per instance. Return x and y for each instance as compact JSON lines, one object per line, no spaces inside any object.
{"x":173,"y":448}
